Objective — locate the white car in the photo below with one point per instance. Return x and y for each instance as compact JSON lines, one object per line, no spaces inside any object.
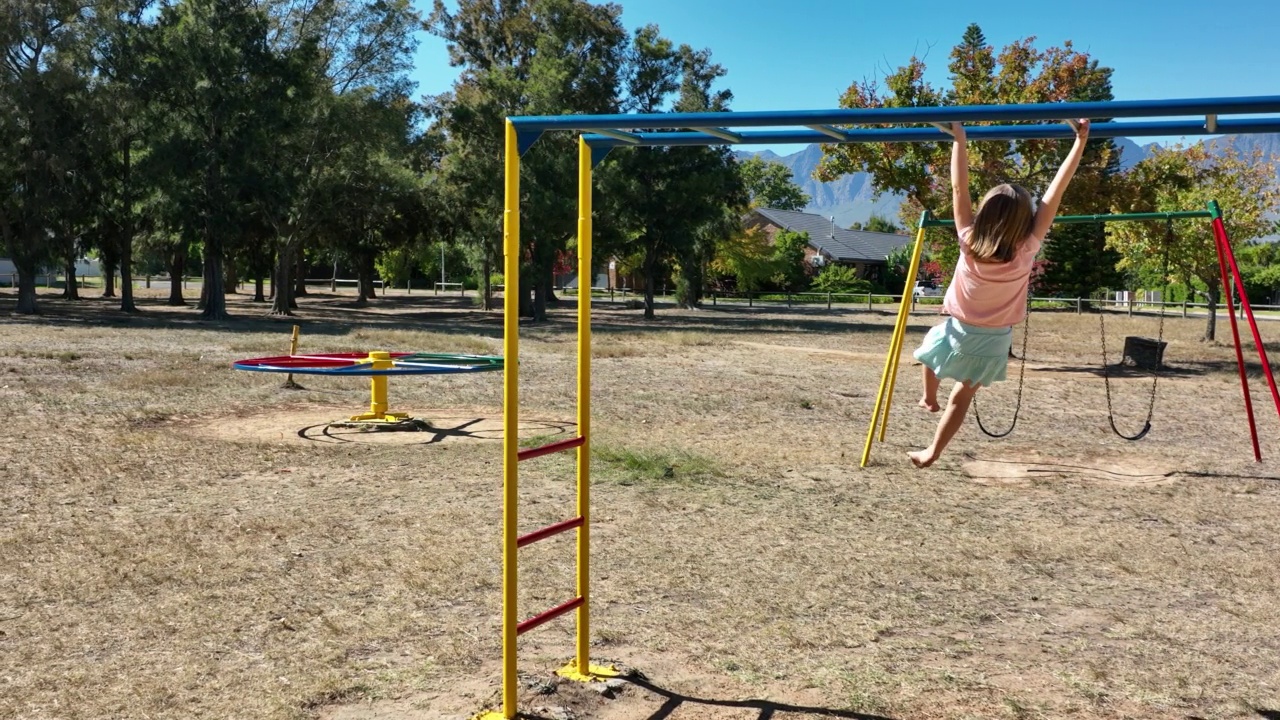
{"x":926,"y":290}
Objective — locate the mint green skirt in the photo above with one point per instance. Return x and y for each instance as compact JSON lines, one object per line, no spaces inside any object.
{"x":967,"y":353}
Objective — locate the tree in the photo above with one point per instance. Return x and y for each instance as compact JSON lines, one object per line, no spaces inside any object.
{"x":747,"y":257}
{"x":672,"y":205}
{"x":792,"y":272}
{"x":1018,"y":74}
{"x":877,"y":223}
{"x":770,"y":185}
{"x":521,"y":57}
{"x":1188,"y":178}
{"x":117,"y":51}
{"x":225,"y":98}
{"x":40,"y":84}
{"x":346,"y":53}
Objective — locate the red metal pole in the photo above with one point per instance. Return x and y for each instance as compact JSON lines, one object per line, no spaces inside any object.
{"x":1248,"y":311}
{"x":1235,"y":334}
{"x":554,"y":447}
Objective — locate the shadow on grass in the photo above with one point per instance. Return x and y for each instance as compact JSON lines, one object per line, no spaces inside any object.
{"x":1066,"y":467}
{"x":327,"y":314}
{"x":1124,"y":372}
{"x":767,"y":709}
{"x":431,"y":432}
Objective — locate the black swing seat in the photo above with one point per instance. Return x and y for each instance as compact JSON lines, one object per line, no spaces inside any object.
{"x":1143,"y":352}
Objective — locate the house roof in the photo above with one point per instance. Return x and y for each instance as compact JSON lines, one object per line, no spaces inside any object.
{"x":840,"y":244}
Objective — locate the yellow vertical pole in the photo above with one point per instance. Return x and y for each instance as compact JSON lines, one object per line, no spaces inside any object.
{"x":887,"y":377}
{"x":293,"y":350}
{"x":584,"y":405}
{"x":510,"y":413}
{"x":905,"y":312}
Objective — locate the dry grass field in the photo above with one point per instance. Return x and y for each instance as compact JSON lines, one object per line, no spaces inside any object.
{"x":182,"y":540}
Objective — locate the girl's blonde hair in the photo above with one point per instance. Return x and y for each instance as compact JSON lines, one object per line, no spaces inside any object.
{"x":1003,"y":221}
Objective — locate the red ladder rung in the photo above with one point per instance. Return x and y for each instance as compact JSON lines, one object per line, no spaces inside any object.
{"x":551,"y":448}
{"x":548,"y":531}
{"x":548,"y":616}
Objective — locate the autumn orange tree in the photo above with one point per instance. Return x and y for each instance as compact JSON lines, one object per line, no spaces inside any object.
{"x":1187,"y":178}
{"x":1019,"y":73}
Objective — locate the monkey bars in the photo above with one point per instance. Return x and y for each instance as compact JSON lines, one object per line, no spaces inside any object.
{"x":601,"y":133}
{"x":1202,"y":116}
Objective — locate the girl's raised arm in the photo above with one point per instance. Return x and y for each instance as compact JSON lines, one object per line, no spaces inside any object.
{"x":1048,"y":209}
{"x":960,"y":202}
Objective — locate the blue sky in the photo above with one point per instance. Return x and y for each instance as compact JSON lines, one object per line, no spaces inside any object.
{"x":802,"y":54}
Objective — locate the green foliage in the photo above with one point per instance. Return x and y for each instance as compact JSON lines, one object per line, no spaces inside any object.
{"x":1181,"y":178}
{"x":877,"y":223}
{"x":747,"y":257}
{"x":894,"y":276}
{"x":1020,"y":73}
{"x":840,"y":279}
{"x":1261,"y":282}
{"x":395,"y":266}
{"x":770,"y":185}
{"x":670,"y":207}
{"x":519,"y":58}
{"x":791,"y":272}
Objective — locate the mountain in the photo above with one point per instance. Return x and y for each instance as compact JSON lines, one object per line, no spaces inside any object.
{"x":850,"y":199}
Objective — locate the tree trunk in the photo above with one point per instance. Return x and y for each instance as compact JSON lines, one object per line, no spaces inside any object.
{"x":258,"y":289}
{"x":650,"y":279}
{"x":525,"y":298}
{"x":486,"y":291}
{"x":282,"y":297}
{"x":72,"y":289}
{"x":126,"y":239}
{"x":1210,"y":329}
{"x":126,"y":275}
{"x":551,"y":289}
{"x":177,"y":266}
{"x":215,"y":305}
{"x":108,"y":283}
{"x":231,"y":276}
{"x":109,"y":264}
{"x":362,"y":277}
{"x":26,"y":288}
{"x":299,"y":277}
{"x":539,"y":285}
{"x":367,"y":261}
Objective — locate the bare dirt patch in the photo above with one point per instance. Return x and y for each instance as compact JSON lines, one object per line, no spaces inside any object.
{"x":170,"y":547}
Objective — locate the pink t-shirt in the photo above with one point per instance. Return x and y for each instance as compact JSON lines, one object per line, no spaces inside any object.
{"x":991,"y":294}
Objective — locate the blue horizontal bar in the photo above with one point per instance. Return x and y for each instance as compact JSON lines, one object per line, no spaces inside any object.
{"x":894,"y":116}
{"x":1148,"y":128}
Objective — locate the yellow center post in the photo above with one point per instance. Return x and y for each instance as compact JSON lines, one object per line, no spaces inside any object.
{"x":378,"y":402}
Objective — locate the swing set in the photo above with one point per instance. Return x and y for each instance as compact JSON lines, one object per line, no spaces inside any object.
{"x":600,"y":134}
{"x":1231,"y":280}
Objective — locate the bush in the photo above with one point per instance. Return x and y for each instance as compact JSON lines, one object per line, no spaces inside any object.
{"x":840,"y":279}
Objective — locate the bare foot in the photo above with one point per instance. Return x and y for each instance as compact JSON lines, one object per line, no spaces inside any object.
{"x":930,"y":404}
{"x":921,"y":458}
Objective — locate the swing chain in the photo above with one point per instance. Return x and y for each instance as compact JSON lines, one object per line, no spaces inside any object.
{"x":1022,"y":373}
{"x":1155,"y":373}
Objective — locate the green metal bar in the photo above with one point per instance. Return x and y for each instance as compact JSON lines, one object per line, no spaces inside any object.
{"x":1082,"y":219}
{"x":1214,"y":211}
